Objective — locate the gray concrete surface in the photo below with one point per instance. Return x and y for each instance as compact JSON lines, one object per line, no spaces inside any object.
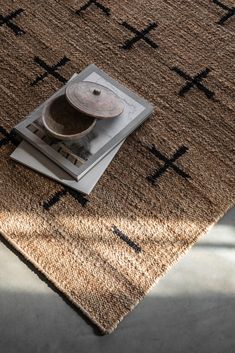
{"x":192,"y":309}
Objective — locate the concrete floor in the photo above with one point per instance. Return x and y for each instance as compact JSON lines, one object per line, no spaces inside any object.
{"x":192,"y":309}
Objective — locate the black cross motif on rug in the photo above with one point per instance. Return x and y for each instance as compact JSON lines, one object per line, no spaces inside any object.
{"x":7,"y":137}
{"x":230,"y":11}
{"x":83,"y":8}
{"x":168,"y":163}
{"x":194,"y":81}
{"x":126,"y":239}
{"x":50,"y":70}
{"x":7,"y":20}
{"x":59,"y":194}
{"x":139,"y":35}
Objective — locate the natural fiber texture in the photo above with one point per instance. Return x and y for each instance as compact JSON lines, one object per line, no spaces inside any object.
{"x":172,"y":179}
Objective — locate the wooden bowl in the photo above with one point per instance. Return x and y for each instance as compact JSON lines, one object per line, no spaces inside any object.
{"x":64,"y":122}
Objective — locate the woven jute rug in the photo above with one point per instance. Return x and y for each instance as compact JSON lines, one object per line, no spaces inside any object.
{"x":172,"y":179}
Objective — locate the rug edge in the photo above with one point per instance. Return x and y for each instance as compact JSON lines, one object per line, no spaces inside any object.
{"x":64,"y":295}
{"x":43,"y":275}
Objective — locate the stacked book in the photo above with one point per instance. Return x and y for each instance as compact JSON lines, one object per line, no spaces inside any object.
{"x":80,"y":164}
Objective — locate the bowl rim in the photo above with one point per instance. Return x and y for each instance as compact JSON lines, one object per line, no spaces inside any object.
{"x":62,"y":136}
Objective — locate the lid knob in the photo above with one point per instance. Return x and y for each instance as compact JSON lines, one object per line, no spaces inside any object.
{"x":96,"y":92}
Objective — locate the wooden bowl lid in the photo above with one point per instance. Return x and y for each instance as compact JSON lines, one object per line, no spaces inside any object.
{"x":94,"y":99}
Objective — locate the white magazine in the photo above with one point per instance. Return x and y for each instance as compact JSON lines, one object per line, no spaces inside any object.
{"x":78,"y":158}
{"x":29,"y":156}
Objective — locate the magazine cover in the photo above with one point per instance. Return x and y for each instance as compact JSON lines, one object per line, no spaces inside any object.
{"x":77,"y":158}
